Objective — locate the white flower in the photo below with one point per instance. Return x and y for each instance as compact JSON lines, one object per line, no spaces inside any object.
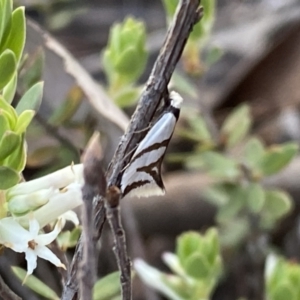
{"x":33,"y":244}
{"x":57,"y":179}
{"x":58,"y":204}
{"x":49,"y":197}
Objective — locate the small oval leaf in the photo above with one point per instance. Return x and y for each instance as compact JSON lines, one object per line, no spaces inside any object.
{"x":107,"y":287}
{"x":8,"y":66}
{"x":68,"y":108}
{"x":236,"y":125}
{"x":255,"y":197}
{"x":197,"y":266}
{"x":254,"y":151}
{"x":5,"y":19}
{"x":24,"y":120}
{"x":4,"y":123}
{"x":277,"y":157}
{"x":10,"y":89}
{"x":277,"y":203}
{"x":32,"y":99}
{"x":8,"y":143}
{"x":17,"y":159}
{"x":10,"y":112}
{"x":220,"y":166}
{"x":8,"y":178}
{"x":187,"y":243}
{"x":16,"y":38}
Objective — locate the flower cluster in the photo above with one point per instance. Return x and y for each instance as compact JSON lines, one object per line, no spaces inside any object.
{"x":34,"y":204}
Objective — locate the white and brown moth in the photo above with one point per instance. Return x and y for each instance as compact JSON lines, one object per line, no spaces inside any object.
{"x":142,"y":176}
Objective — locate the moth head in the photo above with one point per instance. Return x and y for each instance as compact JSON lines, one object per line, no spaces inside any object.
{"x":176,"y":99}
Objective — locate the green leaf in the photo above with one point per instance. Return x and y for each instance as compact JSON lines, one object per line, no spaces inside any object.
{"x":233,"y":232}
{"x":187,"y":243}
{"x":236,"y":126}
{"x":8,"y":66}
{"x":16,"y":38}
{"x":283,"y":292}
{"x":217,"y":194}
{"x":5,"y":19}
{"x":294,"y":275}
{"x":211,"y":245}
{"x":220,"y":166}
{"x":127,"y":96}
{"x":8,"y":143}
{"x":32,"y":70}
{"x":4,"y":123}
{"x":10,"y":113}
{"x":199,"y":127}
{"x":193,"y":161}
{"x":128,"y":59}
{"x":107,"y":287}
{"x":254,"y":151}
{"x":35,"y":284}
{"x":197,"y":266}
{"x":17,"y":159}
{"x":255,"y":197}
{"x":277,"y":157}
{"x":277,"y":203}
{"x":24,"y":120}
{"x":108,"y":67}
{"x":31,"y":99}
{"x":68,"y":239}
{"x":239,"y":133}
{"x":10,"y":89}
{"x":125,"y":57}
{"x":202,"y":29}
{"x":68,"y":107}
{"x":236,"y":195}
{"x":8,"y":178}
{"x":43,"y":156}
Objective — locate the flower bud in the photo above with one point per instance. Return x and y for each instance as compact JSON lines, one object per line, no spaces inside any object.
{"x":125,"y":57}
{"x":22,"y":204}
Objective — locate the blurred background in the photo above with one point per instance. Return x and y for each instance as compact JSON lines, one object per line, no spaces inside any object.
{"x":246,"y":75}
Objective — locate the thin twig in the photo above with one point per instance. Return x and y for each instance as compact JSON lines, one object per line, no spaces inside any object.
{"x":187,"y":15}
{"x":71,"y":286}
{"x":6,"y":293}
{"x":94,"y":185}
{"x":113,"y":196}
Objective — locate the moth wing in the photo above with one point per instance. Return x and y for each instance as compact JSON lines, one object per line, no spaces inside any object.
{"x":142,"y":177}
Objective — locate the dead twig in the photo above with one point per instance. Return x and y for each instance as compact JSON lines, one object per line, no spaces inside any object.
{"x":113,"y":196}
{"x":94,"y":186}
{"x":188,"y":13}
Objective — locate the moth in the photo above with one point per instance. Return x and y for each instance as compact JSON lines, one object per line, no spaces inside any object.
{"x":142,"y":176}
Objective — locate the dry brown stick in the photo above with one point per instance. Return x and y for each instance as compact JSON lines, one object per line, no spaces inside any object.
{"x":155,"y":89}
{"x":94,"y":186}
{"x":113,"y":196}
{"x":187,"y":15}
{"x":71,"y":286}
